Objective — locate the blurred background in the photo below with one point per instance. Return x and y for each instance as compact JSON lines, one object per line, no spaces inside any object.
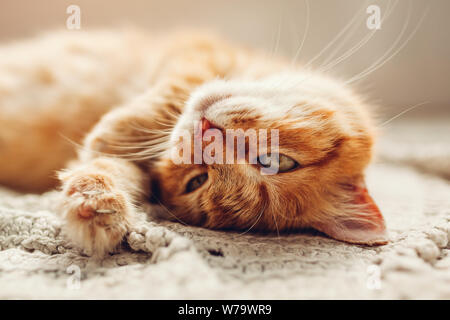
{"x":413,"y":42}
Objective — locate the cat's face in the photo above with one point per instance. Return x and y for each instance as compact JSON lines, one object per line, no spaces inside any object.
{"x":325,"y":142}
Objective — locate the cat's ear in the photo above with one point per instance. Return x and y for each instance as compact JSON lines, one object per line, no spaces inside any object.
{"x":362,"y":221}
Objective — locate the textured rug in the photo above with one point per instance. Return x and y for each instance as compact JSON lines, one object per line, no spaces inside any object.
{"x":409,"y":181}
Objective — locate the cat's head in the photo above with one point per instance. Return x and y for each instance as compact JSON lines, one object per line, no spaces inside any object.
{"x":325,"y":140}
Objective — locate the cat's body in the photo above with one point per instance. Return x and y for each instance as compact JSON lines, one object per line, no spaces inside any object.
{"x":125,"y":95}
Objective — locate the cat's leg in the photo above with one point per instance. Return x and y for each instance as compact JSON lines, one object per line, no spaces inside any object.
{"x":99,"y":192}
{"x":102,"y":190}
{"x":98,"y":204}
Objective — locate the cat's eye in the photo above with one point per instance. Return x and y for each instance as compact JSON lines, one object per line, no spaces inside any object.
{"x":277,"y":162}
{"x":196,"y":182}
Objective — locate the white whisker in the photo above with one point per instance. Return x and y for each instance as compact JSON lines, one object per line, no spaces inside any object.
{"x":305,"y":33}
{"x":379,"y":63}
{"x":403,"y":112}
{"x":358,"y":46}
{"x":277,"y":40}
{"x":337,"y":37}
{"x":170,"y":212}
{"x":344,"y":41}
{"x":257,"y":220}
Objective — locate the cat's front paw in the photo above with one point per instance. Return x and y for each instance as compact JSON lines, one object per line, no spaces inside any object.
{"x":97,"y":214}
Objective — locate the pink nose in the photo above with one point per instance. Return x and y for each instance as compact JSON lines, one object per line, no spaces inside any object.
{"x":202,"y":126}
{"x":205,"y":125}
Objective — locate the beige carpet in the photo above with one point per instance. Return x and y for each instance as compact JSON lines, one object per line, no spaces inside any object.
{"x":410,"y":182}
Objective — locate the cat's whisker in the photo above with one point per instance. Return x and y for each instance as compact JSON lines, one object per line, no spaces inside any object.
{"x":169,"y":125}
{"x":140,"y":128}
{"x":257,"y":219}
{"x":305,"y":33}
{"x":271,"y":46}
{"x":147,"y":151}
{"x":348,"y":35}
{"x":380,"y":62}
{"x":358,"y":46}
{"x":336,"y":38}
{"x":276,"y":226}
{"x":74,"y":143}
{"x":278,"y":36}
{"x":142,"y":158}
{"x":132,"y":147}
{"x":173,"y":115}
{"x":146,"y":148}
{"x":172,"y":109}
{"x":136,"y":138}
{"x":146,"y":143}
{"x":143,"y":155}
{"x":403,"y":112}
{"x":79,"y":146}
{"x":171,"y":213}
{"x":152,"y":132}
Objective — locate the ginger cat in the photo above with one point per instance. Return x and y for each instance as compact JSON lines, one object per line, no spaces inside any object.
{"x":125,"y":97}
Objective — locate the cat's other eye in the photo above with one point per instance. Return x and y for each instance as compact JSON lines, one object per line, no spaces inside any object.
{"x":280,"y":162}
{"x":196,"y":182}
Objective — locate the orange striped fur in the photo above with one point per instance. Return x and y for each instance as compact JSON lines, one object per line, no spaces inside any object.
{"x":102,"y":108}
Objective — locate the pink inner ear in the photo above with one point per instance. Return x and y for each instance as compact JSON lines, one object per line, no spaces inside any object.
{"x":364,"y":227}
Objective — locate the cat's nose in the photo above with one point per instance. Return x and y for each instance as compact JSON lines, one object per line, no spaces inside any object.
{"x":202,"y":126}
{"x":205,"y":125}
